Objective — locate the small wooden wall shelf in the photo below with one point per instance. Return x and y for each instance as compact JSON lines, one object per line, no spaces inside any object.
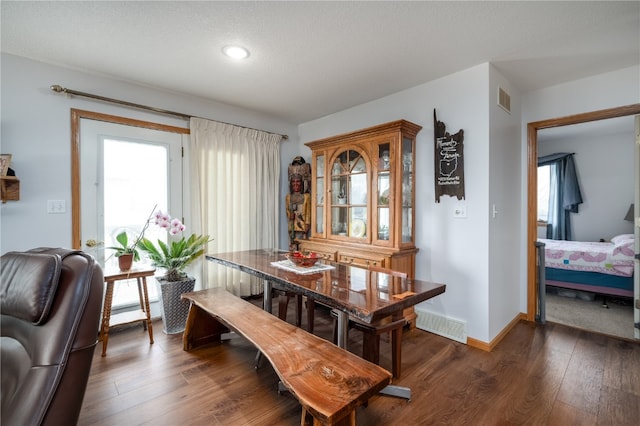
{"x":9,"y":188}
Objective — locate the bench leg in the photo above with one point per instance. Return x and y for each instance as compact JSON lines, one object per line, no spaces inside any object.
{"x":350,"y":419}
{"x":258,"y":360}
{"x":201,"y":329}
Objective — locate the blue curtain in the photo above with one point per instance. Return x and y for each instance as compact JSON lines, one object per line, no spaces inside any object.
{"x":564,"y":194}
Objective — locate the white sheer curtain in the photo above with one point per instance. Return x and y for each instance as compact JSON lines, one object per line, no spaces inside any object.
{"x":235,"y":175}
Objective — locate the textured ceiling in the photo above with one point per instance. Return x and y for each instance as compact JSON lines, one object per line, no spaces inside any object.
{"x":310,"y":59}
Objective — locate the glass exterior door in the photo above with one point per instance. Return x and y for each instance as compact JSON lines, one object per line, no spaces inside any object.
{"x":125,"y":172}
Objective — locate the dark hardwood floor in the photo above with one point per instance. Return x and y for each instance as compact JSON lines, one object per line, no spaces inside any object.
{"x":538,"y":375}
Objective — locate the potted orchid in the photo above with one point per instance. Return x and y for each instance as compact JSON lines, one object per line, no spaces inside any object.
{"x":173,"y":256}
{"x":127,"y":250}
{"x":125,"y":253}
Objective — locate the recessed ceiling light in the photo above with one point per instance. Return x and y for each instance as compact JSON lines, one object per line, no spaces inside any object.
{"x":235,"y":52}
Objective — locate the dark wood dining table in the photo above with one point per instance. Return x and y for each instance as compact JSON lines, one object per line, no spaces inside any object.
{"x":350,"y":290}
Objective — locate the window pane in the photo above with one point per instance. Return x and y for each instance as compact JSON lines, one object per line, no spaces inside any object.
{"x":544,"y":173}
{"x":135,"y":180}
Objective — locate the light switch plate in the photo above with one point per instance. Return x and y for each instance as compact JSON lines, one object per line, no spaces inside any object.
{"x":460,"y":211}
{"x":56,"y":206}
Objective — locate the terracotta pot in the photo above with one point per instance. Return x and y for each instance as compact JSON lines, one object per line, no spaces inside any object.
{"x":125,"y":261}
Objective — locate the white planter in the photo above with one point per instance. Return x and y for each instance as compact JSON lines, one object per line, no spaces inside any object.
{"x":174,"y":310}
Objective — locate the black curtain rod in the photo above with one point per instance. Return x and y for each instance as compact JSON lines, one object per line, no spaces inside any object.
{"x":59,"y":89}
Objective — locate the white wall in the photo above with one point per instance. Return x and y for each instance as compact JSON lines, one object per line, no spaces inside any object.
{"x":604,"y":164}
{"x":609,"y":90}
{"x":36,"y":130}
{"x":452,"y":251}
{"x":504,"y":206}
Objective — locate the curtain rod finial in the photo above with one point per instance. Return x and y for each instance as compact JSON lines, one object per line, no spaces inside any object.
{"x":57,"y":88}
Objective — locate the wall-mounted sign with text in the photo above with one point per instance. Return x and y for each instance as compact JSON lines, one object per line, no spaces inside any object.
{"x":449,"y":161}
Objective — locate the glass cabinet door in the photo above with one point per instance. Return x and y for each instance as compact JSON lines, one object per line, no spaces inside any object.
{"x":319,"y":194}
{"x":383,"y":188}
{"x":407,"y":189}
{"x":349,"y":189}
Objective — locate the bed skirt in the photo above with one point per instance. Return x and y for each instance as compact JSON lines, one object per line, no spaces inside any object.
{"x":590,"y":281}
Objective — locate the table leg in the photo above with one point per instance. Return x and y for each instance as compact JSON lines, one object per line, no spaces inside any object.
{"x":266,"y":305}
{"x":393,"y":390}
{"x":399,"y":391}
{"x":343,"y":325}
{"x":343,"y":328}
{"x":140,"y":297}
{"x":147,"y":310}
{"x":266,"y":297}
{"x":106,"y":317}
{"x":140,"y":292}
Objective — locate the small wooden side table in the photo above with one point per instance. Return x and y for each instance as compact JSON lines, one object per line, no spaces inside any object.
{"x":143,"y":314}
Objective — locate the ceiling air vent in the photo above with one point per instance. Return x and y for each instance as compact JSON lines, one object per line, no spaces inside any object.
{"x":504,"y":100}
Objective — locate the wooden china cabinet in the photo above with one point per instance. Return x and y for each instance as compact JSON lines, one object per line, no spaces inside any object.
{"x":363,"y":198}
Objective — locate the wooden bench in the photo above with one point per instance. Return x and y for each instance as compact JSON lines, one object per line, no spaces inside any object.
{"x":329,"y":382}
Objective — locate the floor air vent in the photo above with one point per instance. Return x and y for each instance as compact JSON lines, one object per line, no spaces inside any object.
{"x":504,"y":100}
{"x":442,"y":326}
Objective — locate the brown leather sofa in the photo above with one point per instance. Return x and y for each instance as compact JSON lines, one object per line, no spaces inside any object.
{"x":50,"y":301}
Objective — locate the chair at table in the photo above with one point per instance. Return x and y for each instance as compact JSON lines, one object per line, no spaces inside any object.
{"x":283,"y":305}
{"x":372,"y":332}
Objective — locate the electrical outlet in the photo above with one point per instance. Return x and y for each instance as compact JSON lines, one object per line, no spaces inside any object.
{"x":460,"y":212}
{"x":56,"y":206}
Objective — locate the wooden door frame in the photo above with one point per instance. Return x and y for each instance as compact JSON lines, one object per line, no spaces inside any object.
{"x":532,"y":175}
{"x":76,"y":116}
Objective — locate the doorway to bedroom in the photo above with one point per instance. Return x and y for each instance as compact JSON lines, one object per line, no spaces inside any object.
{"x":608,"y":192}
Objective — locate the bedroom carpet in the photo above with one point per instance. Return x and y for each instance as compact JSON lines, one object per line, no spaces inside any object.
{"x":590,"y":315}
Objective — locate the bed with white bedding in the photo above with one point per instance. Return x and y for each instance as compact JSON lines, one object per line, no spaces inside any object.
{"x":598,"y":267}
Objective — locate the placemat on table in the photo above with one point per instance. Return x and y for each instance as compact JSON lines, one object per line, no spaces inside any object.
{"x":290,"y":266}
